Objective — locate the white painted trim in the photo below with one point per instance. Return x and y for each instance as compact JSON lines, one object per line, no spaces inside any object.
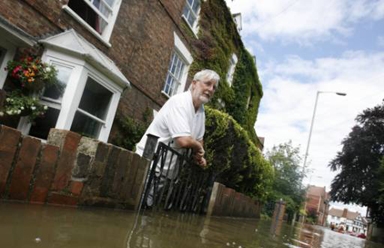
{"x":10,"y":40}
{"x":194,"y":30}
{"x":91,"y":116}
{"x":182,"y":49}
{"x":165,"y":94}
{"x":231,"y":70}
{"x":106,"y":129}
{"x":9,"y":54}
{"x":195,"y":27}
{"x":108,"y":30}
{"x":87,"y":26}
{"x":234,"y":58}
{"x":19,"y":39}
{"x":75,"y":88}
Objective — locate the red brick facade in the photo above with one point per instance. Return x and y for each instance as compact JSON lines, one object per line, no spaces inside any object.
{"x":141,"y":42}
{"x":317,"y":202}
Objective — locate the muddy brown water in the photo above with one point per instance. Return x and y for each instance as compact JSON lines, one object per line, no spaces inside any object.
{"x":25,"y":226}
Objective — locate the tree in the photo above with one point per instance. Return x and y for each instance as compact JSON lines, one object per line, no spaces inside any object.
{"x":287,"y":182}
{"x":360,"y":178}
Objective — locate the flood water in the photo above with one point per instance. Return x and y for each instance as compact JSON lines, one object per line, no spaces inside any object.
{"x":57,"y":227}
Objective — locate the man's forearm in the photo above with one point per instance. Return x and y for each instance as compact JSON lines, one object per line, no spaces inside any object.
{"x":189,"y":142}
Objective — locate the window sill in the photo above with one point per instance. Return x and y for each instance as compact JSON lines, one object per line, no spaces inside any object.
{"x":165,"y":94}
{"x":86,"y":25}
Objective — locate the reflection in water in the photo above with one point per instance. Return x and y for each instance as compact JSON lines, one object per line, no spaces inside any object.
{"x":44,"y":226}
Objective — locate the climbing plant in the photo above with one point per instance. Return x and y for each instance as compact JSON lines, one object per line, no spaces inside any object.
{"x":218,"y":40}
{"x":234,"y":158}
{"x":231,"y":141}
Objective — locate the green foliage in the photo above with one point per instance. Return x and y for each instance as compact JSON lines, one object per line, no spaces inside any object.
{"x":30,"y":77}
{"x":130,"y":130}
{"x":19,"y":104}
{"x":360,"y":164}
{"x":234,"y":158}
{"x":312,"y":216}
{"x":286,"y":160}
{"x":381,"y":182}
{"x":30,"y":73}
{"x":218,"y":40}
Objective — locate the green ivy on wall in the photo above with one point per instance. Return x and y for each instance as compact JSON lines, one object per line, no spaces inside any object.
{"x":234,"y":158}
{"x":130,"y":130}
{"x":231,"y":141}
{"x":218,"y":40}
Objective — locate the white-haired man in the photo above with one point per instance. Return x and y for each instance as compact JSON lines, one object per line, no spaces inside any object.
{"x":181,"y":121}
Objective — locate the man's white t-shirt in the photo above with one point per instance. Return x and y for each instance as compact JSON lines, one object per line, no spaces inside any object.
{"x":176,"y":118}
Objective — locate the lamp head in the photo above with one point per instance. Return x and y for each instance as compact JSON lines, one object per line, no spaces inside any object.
{"x":341,"y":94}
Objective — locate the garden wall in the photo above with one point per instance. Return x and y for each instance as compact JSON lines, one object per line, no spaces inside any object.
{"x":69,"y":170}
{"x":227,"y":202}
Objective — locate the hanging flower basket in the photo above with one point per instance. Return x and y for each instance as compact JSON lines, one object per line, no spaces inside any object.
{"x":18,"y":104}
{"x":31,"y":74}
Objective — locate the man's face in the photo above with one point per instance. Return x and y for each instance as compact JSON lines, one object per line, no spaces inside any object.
{"x":203,"y":90}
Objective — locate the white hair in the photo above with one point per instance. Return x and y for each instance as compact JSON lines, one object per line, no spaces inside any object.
{"x":207,"y":75}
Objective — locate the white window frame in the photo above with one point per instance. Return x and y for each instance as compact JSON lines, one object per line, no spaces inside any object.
{"x":194,"y":27}
{"x":106,"y":35}
{"x":231,"y":70}
{"x":10,"y":41}
{"x":182,"y":51}
{"x":9,"y":53}
{"x":74,"y":91}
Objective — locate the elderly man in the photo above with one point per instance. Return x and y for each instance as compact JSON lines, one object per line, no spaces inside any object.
{"x":180,"y":123}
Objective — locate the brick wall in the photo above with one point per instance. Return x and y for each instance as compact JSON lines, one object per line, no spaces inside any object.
{"x":142,"y":41}
{"x":69,"y":170}
{"x":227,"y":202}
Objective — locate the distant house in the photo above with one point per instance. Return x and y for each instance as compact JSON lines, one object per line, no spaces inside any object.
{"x":318,"y":202}
{"x":350,"y":221}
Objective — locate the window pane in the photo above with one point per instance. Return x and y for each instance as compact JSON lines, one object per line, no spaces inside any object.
{"x":110,"y":2}
{"x":196,"y":6}
{"x":85,"y":125}
{"x":95,"y":99}
{"x":186,"y":12}
{"x":42,"y":125}
{"x":191,"y":10}
{"x":105,"y":10}
{"x":2,"y":54}
{"x":191,"y":19}
{"x":63,"y":74}
{"x":87,"y":13}
{"x":168,"y":84}
{"x":174,"y":75}
{"x":172,"y":66}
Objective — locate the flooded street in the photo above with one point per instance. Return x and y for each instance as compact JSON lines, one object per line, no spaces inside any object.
{"x":46,"y":226}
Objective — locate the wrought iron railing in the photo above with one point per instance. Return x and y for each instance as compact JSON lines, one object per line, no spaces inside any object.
{"x":175,"y":182}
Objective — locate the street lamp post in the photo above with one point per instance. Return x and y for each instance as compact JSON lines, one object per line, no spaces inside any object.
{"x":313,"y":119}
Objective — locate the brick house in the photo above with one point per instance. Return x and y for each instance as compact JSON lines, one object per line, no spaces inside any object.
{"x":130,"y":55}
{"x":317,"y":201}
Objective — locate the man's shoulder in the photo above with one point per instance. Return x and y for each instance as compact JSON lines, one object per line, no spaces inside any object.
{"x":180,"y":98}
{"x":181,"y":95}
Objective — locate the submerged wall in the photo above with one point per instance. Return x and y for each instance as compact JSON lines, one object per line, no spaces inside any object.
{"x":69,"y":170}
{"x":227,"y":202}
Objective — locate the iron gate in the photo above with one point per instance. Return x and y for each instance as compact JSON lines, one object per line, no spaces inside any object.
{"x":175,"y":182}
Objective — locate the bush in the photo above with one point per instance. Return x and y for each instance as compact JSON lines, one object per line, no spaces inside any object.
{"x":235,"y":160}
